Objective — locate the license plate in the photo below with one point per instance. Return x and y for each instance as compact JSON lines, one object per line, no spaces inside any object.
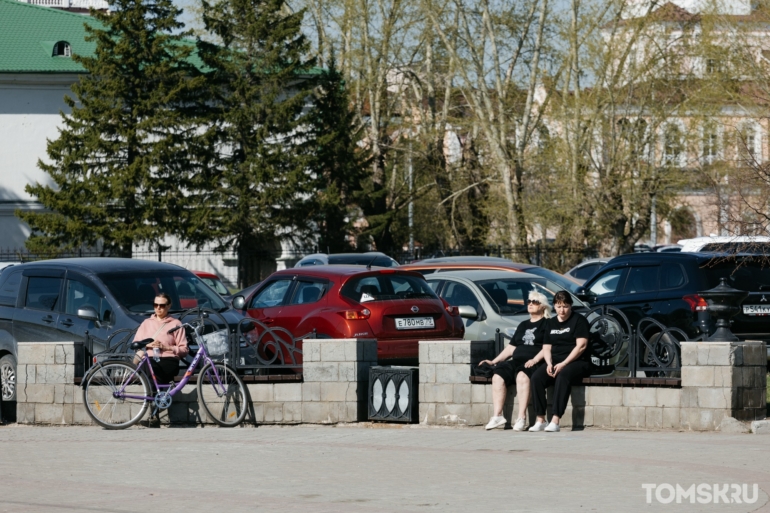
{"x":756,"y":309}
{"x":414,"y":323}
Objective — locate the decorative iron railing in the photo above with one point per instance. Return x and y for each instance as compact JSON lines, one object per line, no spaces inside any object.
{"x":647,"y":349}
{"x":261,"y":349}
{"x":255,"y":348}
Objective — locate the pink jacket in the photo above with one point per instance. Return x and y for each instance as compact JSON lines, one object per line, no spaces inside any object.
{"x":177,"y":340}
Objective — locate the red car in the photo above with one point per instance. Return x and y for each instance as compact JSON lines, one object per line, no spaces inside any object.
{"x":396,"y":307}
{"x":213,"y":281}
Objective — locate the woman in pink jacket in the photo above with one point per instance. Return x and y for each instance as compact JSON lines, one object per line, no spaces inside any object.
{"x":173,"y":346}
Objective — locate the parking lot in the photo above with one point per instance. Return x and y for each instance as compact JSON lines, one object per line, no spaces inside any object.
{"x":369,"y":468}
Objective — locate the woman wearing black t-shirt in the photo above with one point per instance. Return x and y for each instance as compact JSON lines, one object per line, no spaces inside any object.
{"x":526,"y":347}
{"x":567,"y":361}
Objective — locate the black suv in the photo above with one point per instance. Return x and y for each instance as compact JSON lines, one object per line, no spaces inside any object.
{"x":58,"y":300}
{"x":665,"y":286}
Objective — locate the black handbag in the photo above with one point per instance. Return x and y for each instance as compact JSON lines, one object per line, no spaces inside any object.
{"x":484,"y":370}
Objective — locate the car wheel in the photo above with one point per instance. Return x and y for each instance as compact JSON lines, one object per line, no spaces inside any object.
{"x":8,"y":377}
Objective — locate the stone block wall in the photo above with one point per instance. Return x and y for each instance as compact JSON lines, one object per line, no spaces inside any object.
{"x":335,"y":387}
{"x":719,"y":380}
{"x":722,"y":379}
{"x":446,"y":395}
{"x":336,"y":379}
{"x":45,"y":383}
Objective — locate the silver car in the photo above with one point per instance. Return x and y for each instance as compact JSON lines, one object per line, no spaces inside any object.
{"x":491,"y":300}
{"x":586,"y":269}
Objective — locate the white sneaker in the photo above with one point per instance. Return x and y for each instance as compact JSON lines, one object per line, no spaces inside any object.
{"x":552,"y":428}
{"x":520,"y":424}
{"x":538,"y":426}
{"x":495,"y":422}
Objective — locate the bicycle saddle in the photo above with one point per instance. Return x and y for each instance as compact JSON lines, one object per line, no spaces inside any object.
{"x":140,"y":344}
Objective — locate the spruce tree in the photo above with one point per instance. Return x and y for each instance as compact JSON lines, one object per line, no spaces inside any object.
{"x":339,"y":164}
{"x":257,"y":187}
{"x":120,"y":159}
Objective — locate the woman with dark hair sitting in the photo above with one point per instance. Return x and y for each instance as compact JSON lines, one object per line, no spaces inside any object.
{"x":172,"y":346}
{"x":525,"y":353}
{"x":566,"y":361}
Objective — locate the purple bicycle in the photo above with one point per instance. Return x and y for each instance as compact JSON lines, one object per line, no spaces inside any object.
{"x":117,"y":394}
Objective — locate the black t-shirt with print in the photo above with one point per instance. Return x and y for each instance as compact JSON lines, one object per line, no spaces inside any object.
{"x":528,"y":339}
{"x":562,"y":335}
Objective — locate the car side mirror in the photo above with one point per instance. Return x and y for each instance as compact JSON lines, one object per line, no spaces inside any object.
{"x":88,"y":313}
{"x":585,"y":295}
{"x":239,"y":302}
{"x":468,"y":312}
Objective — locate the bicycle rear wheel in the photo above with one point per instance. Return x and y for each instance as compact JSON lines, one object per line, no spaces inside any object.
{"x":222,"y":394}
{"x":103,"y":395}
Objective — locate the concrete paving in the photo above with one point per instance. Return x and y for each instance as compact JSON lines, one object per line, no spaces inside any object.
{"x":370,"y":468}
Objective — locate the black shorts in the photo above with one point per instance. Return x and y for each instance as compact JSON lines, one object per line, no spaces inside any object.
{"x":165,"y":369}
{"x":509,"y":369}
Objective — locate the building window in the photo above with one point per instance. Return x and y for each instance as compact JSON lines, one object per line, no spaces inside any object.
{"x":749,"y":144}
{"x":62,"y":49}
{"x":634,"y":135}
{"x":710,"y":145}
{"x":673,"y":146}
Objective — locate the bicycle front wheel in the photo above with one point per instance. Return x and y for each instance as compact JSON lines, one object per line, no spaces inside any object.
{"x":104,"y":395}
{"x":222,"y":394}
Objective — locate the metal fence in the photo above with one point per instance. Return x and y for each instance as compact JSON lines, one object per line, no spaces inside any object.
{"x":647,"y":349}
{"x":254,"y":348}
{"x":535,"y":254}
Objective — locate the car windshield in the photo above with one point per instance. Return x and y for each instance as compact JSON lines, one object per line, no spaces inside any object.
{"x":136,"y":291}
{"x":385,"y":287}
{"x":508,"y":295}
{"x":565,"y":283}
{"x":216,"y":285}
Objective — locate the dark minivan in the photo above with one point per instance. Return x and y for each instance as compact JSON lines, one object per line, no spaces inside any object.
{"x":665,"y":286}
{"x":58,"y":300}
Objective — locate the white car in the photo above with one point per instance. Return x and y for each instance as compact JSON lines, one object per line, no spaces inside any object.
{"x":586,"y":269}
{"x":727,"y":244}
{"x":489,"y":300}
{"x":371,"y":258}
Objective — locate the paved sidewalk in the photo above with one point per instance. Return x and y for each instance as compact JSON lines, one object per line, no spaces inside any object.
{"x":368,"y":469}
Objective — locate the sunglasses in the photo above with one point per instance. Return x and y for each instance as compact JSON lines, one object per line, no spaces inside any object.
{"x":160,"y":305}
{"x":533,"y":302}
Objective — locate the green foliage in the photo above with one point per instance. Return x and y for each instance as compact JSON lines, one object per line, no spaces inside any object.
{"x":338,"y":163}
{"x":117,"y":165}
{"x":255,"y":152}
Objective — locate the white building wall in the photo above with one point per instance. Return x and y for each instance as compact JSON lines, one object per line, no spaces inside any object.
{"x":638,"y":8}
{"x":30,"y":108}
{"x":30,"y":115}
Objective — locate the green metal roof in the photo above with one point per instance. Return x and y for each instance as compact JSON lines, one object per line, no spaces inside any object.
{"x":28,"y":34}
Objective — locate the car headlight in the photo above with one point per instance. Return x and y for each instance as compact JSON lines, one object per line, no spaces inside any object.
{"x":509,"y":332}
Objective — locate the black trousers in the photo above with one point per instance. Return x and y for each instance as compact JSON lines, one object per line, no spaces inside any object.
{"x":570,"y":375}
{"x":165,"y":369}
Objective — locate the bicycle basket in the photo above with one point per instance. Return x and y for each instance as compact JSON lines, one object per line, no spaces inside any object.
{"x":217,"y":343}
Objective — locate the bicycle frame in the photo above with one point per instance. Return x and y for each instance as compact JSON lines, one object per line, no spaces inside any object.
{"x":185,"y":378}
